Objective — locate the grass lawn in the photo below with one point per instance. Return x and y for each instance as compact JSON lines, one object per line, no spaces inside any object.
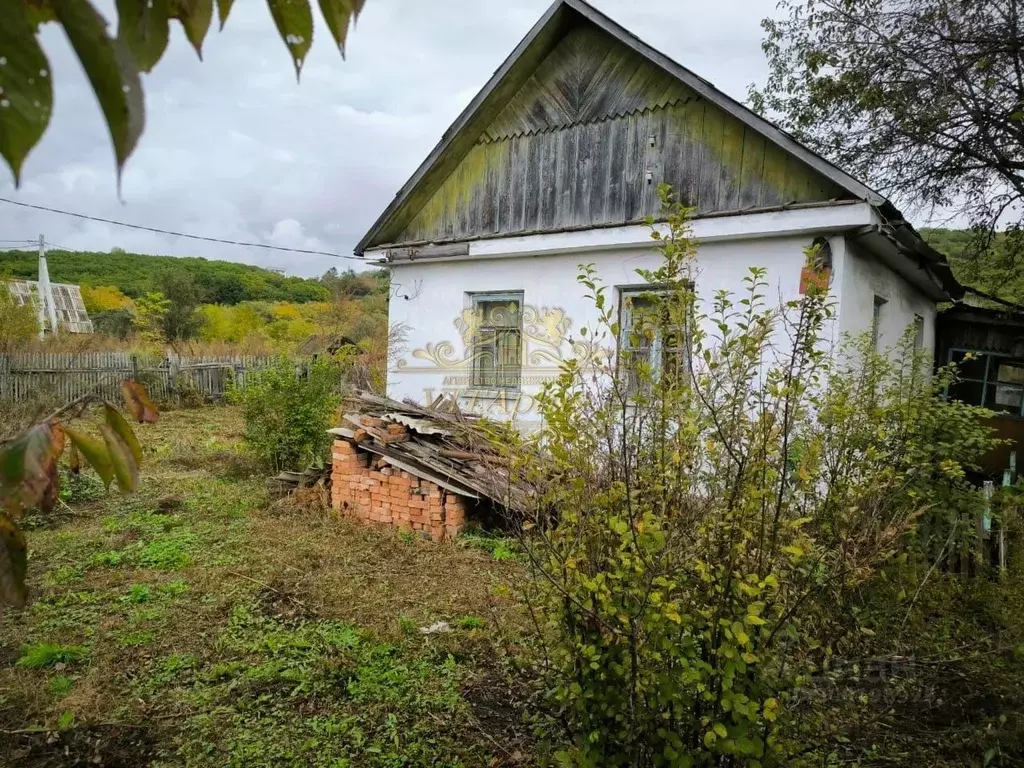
{"x":198,"y":623}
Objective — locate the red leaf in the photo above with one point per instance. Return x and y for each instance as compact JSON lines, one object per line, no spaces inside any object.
{"x":52,"y":491}
{"x":138,"y":403}
{"x":13,"y":563}
{"x":27,"y":466}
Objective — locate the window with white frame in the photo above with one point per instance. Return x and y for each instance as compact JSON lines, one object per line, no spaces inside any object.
{"x":649,"y":342}
{"x":497,"y":340}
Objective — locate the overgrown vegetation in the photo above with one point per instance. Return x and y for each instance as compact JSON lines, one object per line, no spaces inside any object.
{"x":274,"y":643}
{"x":147,"y":301}
{"x":288,"y":410}
{"x":720,"y":525}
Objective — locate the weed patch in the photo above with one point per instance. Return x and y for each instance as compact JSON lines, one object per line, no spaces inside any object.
{"x":60,"y":686}
{"x":138,"y":593}
{"x":169,"y":553}
{"x":44,"y":655}
{"x":321,"y":694}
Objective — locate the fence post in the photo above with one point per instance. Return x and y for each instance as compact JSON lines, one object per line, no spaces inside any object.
{"x":173,"y":371}
{"x":5,"y":378}
{"x":135,"y":367}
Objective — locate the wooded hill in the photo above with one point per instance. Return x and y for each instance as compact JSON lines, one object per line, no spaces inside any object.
{"x":994,"y":271}
{"x":136,"y":274}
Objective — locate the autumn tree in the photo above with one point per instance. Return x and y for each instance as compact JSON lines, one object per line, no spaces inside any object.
{"x":922,"y":98}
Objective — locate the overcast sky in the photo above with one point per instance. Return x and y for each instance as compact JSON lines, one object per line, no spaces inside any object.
{"x":235,"y":149}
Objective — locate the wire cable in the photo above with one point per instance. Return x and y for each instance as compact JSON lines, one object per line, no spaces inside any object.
{"x":179,"y":234}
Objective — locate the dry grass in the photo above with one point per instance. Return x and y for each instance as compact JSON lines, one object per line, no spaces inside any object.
{"x":174,"y":588}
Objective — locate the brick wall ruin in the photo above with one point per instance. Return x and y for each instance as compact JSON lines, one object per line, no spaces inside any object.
{"x":367,"y":489}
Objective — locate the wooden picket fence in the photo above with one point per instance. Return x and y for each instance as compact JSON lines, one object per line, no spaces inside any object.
{"x":65,"y":377}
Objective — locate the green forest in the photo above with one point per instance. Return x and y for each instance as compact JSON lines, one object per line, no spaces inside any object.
{"x":136,"y":274}
{"x":989,"y":267}
{"x":146,"y":301}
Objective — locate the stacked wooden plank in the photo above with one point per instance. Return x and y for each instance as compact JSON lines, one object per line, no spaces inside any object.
{"x":450,"y":449}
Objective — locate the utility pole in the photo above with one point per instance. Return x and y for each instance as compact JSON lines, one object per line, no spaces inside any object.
{"x":47,"y":307}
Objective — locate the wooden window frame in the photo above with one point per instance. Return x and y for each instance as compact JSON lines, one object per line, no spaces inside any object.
{"x":657,"y":350}
{"x":500,"y":382}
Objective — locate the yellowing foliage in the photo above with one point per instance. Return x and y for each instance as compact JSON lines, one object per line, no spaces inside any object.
{"x":104,"y":298}
{"x":281,"y":324}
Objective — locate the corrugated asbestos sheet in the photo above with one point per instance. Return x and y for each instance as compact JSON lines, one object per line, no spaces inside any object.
{"x":586,"y":141}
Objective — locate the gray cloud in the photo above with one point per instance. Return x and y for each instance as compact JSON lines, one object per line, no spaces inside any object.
{"x":234,"y":148}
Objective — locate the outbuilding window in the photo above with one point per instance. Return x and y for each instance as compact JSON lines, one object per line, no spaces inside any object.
{"x":497,"y":342}
{"x":993,"y":381}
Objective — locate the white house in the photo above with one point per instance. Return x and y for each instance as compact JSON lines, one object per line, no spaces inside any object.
{"x":557,"y":162}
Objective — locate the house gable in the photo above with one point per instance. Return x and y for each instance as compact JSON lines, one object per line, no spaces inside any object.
{"x":591,"y":130}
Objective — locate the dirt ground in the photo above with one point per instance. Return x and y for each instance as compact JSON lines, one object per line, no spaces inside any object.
{"x":199,"y":623}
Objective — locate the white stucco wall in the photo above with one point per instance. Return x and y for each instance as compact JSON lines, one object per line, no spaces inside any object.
{"x":863,"y":278}
{"x":432,"y":359}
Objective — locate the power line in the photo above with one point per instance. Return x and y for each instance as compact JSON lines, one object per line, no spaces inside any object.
{"x":178,"y":234}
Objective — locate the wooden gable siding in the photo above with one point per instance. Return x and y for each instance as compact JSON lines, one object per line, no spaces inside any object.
{"x":572,"y":149}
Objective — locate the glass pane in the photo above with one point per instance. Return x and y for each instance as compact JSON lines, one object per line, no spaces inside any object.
{"x":1011,"y":373}
{"x":969,"y":392}
{"x":499,"y":313}
{"x":1006,"y":398}
{"x":970,"y":369}
{"x":509,"y":358}
{"x":497,"y":358}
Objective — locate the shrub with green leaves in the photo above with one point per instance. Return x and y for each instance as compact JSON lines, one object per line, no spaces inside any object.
{"x":288,"y":409}
{"x":713,"y":500}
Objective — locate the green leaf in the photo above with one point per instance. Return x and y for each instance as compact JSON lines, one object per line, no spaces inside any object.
{"x":294,"y":21}
{"x":195,"y":17}
{"x":95,"y":452}
{"x":111,"y":69}
{"x":138,"y":403}
{"x":125,"y":468}
{"x":124,"y":431}
{"x":27,"y":467}
{"x":720,"y":730}
{"x":13,"y":563}
{"x":223,"y":9}
{"x":26,"y":90}
{"x":144,"y":28}
{"x":339,"y":14}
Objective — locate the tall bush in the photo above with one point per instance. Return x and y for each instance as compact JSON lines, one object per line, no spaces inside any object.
{"x":18,"y":324}
{"x":287,"y":411}
{"x":706,"y":517}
